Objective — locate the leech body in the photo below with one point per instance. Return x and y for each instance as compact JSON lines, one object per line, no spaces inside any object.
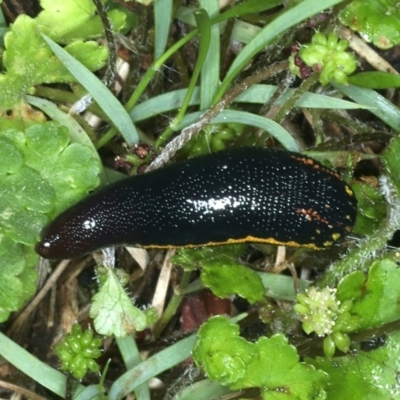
{"x":237,"y":195}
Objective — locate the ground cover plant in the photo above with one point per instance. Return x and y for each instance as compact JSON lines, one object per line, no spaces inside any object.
{"x":92,"y":91}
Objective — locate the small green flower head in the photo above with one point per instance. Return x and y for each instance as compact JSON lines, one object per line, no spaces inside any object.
{"x":318,"y":310}
{"x":328,"y":55}
{"x":321,"y":312}
{"x":77,"y":352}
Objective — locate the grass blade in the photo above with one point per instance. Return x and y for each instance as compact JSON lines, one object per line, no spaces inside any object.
{"x":162,"y":18}
{"x":210,"y":70}
{"x":246,"y":118}
{"x":104,"y":98}
{"x":282,"y":23}
{"x":382,"y":108}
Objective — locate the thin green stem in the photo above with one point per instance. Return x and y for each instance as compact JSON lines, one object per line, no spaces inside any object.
{"x":145,"y":82}
{"x":234,"y":12}
{"x":303,"y":88}
{"x":204,"y":27}
{"x":172,"y":305}
{"x":360,"y":256}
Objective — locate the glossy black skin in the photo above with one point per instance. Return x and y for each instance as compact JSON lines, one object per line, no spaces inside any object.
{"x":211,"y":199}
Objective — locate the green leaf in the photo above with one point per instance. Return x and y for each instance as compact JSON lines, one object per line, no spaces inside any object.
{"x":90,"y":54}
{"x":37,"y":370}
{"x":76,"y":132}
{"x":189,"y":259}
{"x":270,"y":363}
{"x":41,"y":175}
{"x":363,"y":375}
{"x":287,"y":377}
{"x":375,"y":80}
{"x":221,"y":272}
{"x":162,"y":19}
{"x":204,"y":27}
{"x":63,"y":16}
{"x":380,"y":297}
{"x":17,"y":277}
{"x":150,"y":368}
{"x":378,"y":21}
{"x":68,"y":21}
{"x":211,"y":69}
{"x":371,"y":208}
{"x":220,"y":350}
{"x":351,"y":287}
{"x":283,"y":22}
{"x":381,"y":107}
{"x":113,"y":311}
{"x":104,"y":98}
{"x":257,"y":94}
{"x":29,"y":61}
{"x":279,"y":286}
{"x":77,"y":172}
{"x":226,"y":277}
{"x":391,"y":157}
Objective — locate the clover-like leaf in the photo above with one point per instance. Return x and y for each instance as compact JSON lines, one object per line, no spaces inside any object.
{"x":377,"y":21}
{"x":221,"y":272}
{"x":270,"y":364}
{"x":47,"y":145}
{"x":381,"y":296}
{"x":277,"y":369}
{"x":17,"y":275}
{"x":225,"y":278}
{"x":68,"y":21}
{"x":366,"y":375}
{"x":375,"y":297}
{"x":220,"y":350}
{"x":41,"y":174}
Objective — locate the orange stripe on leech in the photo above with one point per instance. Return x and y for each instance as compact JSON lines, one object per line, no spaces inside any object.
{"x":309,"y":161}
{"x":247,"y":239}
{"x":311,"y":214}
{"x":349,"y":191}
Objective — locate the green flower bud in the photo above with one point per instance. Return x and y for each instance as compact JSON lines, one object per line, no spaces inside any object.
{"x":93,"y":366}
{"x":86,"y":338}
{"x":77,"y":351}
{"x":91,"y":353}
{"x":78,"y":363}
{"x":342,"y":45}
{"x":73,"y":343}
{"x":327,"y":56}
{"x":313,"y":54}
{"x":345,"y":61}
{"x":301,"y":309}
{"x":342,"y":341}
{"x":345,"y":306}
{"x":319,"y":38}
{"x":347,"y":323}
{"x":329,"y":347}
{"x":308,"y":327}
{"x":332,"y":41}
{"x":339,"y":77}
{"x":293,"y":68}
{"x":318,"y":310}
{"x":327,"y":72}
{"x":302,"y":298}
{"x":64,"y":354}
